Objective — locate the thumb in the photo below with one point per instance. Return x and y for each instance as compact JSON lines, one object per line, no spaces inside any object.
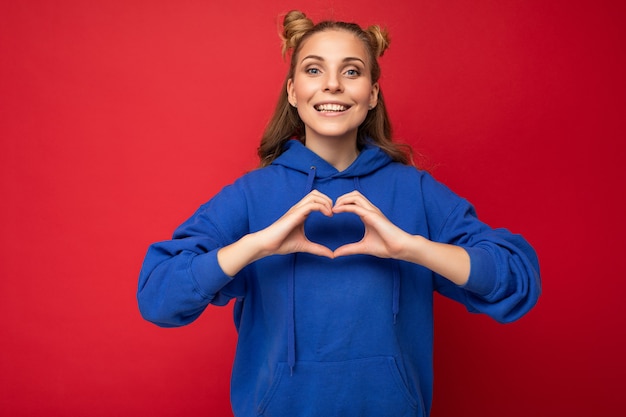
{"x":317,"y":249}
{"x":349,"y":249}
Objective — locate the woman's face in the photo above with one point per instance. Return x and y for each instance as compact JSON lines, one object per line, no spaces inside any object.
{"x":332,"y":85}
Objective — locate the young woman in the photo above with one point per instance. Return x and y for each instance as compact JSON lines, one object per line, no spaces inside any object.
{"x":333,"y":248}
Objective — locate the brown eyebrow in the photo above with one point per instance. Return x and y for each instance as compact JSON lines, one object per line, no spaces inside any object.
{"x":319,"y":58}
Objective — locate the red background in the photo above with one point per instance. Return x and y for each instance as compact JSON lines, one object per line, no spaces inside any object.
{"x":118,"y":118}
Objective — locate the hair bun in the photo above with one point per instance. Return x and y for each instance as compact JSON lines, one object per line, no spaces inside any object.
{"x":295,"y":25}
{"x":379,"y":38}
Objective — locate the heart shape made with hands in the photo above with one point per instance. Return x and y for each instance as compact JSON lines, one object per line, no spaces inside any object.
{"x":334,"y":232}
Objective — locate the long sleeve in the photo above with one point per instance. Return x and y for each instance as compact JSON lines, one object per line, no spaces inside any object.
{"x":504,"y":280}
{"x":180,"y":277}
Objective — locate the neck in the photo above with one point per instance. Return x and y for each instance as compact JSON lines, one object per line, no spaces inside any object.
{"x":337,"y":152}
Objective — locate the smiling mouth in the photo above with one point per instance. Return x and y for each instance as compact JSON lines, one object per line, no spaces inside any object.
{"x":333,"y":108}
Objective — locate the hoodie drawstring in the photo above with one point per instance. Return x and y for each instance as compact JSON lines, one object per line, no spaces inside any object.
{"x":291,"y":294}
{"x":357,"y":185}
{"x":310,"y":179}
{"x":291,"y":318}
{"x":395,"y":304}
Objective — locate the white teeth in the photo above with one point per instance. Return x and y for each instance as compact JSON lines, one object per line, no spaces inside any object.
{"x":330,"y":107}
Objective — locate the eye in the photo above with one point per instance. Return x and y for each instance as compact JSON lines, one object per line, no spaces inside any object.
{"x":353,"y":73}
{"x":312,"y":71}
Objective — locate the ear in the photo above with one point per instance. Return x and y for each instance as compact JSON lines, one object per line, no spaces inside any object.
{"x":291,"y":93}
{"x":374,"y":95}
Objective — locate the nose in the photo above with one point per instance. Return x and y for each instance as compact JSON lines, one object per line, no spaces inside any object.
{"x":332,"y":83}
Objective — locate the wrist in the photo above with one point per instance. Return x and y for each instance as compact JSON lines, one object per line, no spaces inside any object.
{"x":413,"y":248}
{"x":253,"y":248}
{"x":234,"y":257}
{"x":449,"y":261}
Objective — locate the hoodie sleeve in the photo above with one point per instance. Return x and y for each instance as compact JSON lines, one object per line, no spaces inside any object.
{"x":504,"y":280}
{"x":180,"y":277}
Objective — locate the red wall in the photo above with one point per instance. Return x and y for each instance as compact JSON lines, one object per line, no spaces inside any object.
{"x":118,"y":118}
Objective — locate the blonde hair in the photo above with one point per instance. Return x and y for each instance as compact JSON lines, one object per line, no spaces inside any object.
{"x":286,"y":123}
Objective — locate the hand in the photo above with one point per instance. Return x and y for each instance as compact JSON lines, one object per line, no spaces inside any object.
{"x":382,"y":238}
{"x":286,"y":235}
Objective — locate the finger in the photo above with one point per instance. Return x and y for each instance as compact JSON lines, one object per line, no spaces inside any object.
{"x":361,"y":209}
{"x":317,"y":249}
{"x":317,"y":198}
{"x":356,"y":248}
{"x":319,"y":195}
{"x":315,"y":205}
{"x":351,"y":193}
{"x":347,"y":196}
{"x":352,"y":208}
{"x":354,"y":198}
{"x":297,"y":215}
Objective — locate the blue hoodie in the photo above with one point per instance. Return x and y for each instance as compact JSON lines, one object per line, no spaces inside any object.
{"x":351,"y":336}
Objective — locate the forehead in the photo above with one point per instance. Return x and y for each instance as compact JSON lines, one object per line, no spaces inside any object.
{"x":333,"y":43}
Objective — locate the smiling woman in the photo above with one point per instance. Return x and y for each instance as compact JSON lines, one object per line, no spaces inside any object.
{"x":359,"y":47}
{"x":333,"y":248}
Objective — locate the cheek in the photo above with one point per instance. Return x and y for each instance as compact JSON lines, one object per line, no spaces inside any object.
{"x":365,"y":95}
{"x":303,"y":88}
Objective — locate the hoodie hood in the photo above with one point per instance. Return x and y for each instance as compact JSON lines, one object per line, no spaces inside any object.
{"x":298,"y":157}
